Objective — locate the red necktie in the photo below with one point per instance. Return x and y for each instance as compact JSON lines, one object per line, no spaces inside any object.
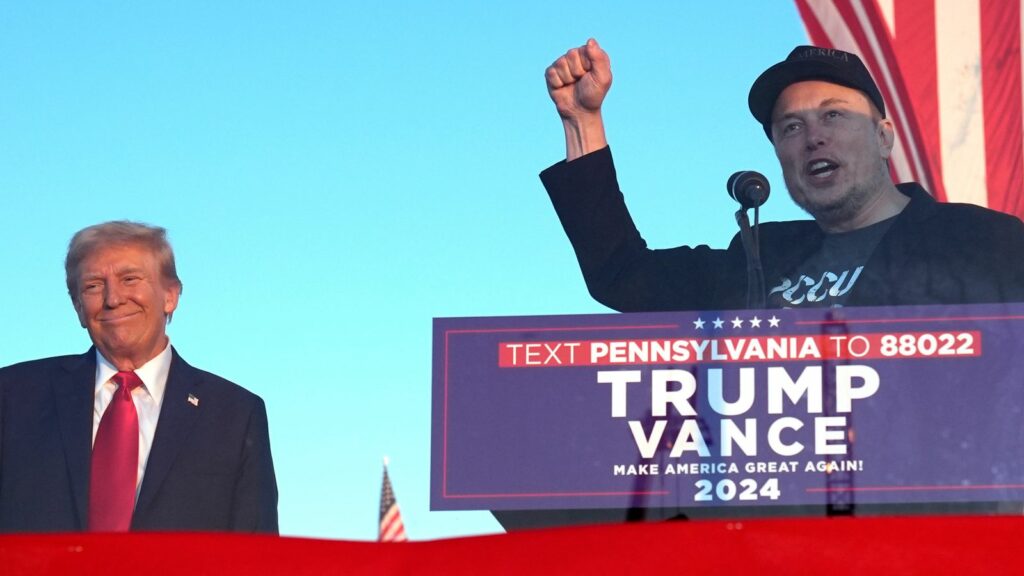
{"x":115,"y":460}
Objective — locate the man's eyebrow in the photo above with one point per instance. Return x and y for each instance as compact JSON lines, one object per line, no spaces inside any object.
{"x":128,"y":270}
{"x":88,"y":275}
{"x":786,"y":115}
{"x":832,"y":101}
{"x":823,"y":104}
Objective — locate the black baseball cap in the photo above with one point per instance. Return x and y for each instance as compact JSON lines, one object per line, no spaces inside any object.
{"x":810,"y":63}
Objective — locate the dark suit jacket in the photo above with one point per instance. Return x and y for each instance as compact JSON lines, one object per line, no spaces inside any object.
{"x":209,"y":468}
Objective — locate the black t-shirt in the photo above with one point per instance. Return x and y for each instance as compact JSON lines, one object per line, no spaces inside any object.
{"x":826,"y":277}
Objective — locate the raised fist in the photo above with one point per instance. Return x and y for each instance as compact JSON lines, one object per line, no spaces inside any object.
{"x":579,"y":80}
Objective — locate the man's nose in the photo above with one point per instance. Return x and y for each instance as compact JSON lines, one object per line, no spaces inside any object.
{"x":112,"y":295}
{"x":816,"y":136}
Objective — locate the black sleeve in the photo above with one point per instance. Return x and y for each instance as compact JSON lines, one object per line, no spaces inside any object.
{"x":255,"y":501}
{"x":621,"y":272}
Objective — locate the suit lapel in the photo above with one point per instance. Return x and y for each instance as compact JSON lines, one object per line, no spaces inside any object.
{"x":73,"y":391}
{"x":177,"y":416}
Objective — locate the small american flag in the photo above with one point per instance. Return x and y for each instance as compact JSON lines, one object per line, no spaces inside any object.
{"x":391,"y":527}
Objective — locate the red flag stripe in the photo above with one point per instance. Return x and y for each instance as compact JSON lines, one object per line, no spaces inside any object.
{"x":912,"y":138}
{"x":915,"y":42}
{"x":1001,"y":89}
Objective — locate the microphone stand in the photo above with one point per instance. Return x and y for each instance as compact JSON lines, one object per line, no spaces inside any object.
{"x":752,"y":247}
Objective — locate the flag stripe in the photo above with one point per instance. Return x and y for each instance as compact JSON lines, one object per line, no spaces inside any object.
{"x":812,"y":23}
{"x":391,"y":527}
{"x":958,"y":58}
{"x":914,"y":40}
{"x":1001,"y":85}
{"x":391,"y":516}
{"x":888,"y":11}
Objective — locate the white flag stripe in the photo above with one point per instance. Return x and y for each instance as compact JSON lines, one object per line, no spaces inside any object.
{"x":832,"y":22}
{"x":961,"y":120}
{"x":888,"y":8}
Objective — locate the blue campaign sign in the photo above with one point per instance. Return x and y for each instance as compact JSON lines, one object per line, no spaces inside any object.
{"x":729,"y":408}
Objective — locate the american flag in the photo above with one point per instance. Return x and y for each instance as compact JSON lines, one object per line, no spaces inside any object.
{"x":391,"y":527}
{"x":950,"y":74}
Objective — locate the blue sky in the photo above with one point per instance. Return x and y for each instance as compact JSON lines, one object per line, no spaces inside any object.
{"x":336,"y":174}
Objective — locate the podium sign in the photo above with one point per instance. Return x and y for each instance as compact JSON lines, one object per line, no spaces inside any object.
{"x":729,"y":408}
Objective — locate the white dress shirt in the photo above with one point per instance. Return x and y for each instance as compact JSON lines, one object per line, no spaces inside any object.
{"x":147,"y":399}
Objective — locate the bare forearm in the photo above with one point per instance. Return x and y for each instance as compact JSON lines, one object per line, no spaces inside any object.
{"x":583,"y":134}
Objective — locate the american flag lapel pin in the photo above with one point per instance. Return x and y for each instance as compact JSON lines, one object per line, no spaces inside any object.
{"x":193,"y":400}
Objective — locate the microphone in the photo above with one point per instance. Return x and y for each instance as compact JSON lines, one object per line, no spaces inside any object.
{"x":749,"y":188}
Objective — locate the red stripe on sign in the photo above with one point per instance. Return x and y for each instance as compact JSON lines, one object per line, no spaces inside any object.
{"x":1001,"y":97}
{"x":915,"y":42}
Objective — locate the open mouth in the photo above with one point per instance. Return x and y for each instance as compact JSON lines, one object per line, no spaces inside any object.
{"x":821,"y":168}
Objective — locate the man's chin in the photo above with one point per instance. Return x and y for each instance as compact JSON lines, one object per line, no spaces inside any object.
{"x":823,"y":209}
{"x":114,"y":350}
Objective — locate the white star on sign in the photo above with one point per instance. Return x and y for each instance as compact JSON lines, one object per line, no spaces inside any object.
{"x":698,"y":324}
{"x":718,"y":323}
{"x":773,"y":322}
{"x":755,"y":322}
{"x":736,"y":322}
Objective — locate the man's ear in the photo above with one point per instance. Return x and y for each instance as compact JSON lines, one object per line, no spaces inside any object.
{"x":886,"y":137}
{"x":171,"y":295}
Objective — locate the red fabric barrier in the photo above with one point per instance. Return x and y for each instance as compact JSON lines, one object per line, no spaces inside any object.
{"x":808,"y":546}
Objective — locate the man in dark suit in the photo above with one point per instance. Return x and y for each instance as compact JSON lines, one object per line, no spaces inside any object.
{"x":128,"y":435}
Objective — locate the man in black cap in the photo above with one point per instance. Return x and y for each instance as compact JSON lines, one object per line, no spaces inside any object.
{"x":871,"y":242}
